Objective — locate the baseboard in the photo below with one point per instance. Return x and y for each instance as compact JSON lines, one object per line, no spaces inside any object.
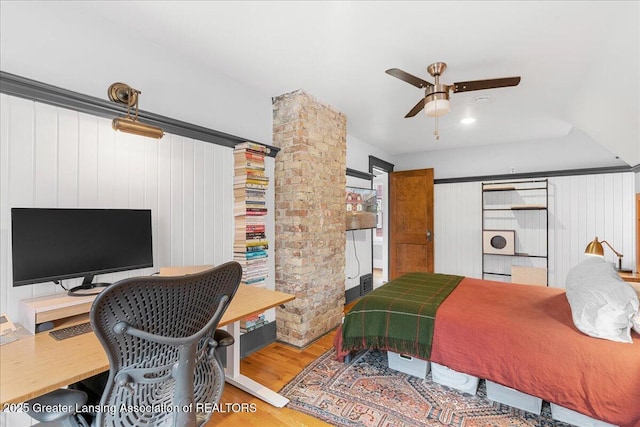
{"x":351,"y":294}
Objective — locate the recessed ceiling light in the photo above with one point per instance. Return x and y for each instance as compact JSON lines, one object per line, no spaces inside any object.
{"x":468,"y":120}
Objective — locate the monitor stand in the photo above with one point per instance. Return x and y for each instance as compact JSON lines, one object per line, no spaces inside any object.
{"x":87,"y":284}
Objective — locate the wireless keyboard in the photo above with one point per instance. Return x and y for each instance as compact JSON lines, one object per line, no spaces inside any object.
{"x":71,"y":331}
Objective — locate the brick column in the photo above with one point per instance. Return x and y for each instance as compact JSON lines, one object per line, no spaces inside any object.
{"x":309,"y":182}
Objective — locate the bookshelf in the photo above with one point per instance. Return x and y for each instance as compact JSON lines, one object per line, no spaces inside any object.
{"x":515,"y":219}
{"x":250,"y":241}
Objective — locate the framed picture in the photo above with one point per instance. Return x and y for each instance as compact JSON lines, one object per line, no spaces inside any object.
{"x":499,"y":242}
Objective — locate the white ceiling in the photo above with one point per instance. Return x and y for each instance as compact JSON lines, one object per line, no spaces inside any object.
{"x":339,"y":51}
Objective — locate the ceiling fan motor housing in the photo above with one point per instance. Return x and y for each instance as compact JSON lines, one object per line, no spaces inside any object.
{"x":436,"y":93}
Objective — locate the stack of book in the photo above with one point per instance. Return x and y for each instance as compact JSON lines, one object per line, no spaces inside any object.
{"x":250,"y":323}
{"x":249,"y":187}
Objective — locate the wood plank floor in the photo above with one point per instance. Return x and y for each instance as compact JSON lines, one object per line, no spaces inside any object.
{"x":274,"y":366}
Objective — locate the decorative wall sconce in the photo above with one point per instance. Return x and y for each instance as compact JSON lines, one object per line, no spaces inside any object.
{"x":125,"y":94}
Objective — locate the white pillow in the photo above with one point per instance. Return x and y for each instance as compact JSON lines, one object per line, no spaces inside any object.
{"x":602,"y":304}
{"x":635,"y":322}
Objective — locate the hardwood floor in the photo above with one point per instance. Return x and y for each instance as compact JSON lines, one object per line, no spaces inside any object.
{"x":274,"y":366}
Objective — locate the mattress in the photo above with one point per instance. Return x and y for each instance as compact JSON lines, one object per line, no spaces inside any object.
{"x":523,"y":337}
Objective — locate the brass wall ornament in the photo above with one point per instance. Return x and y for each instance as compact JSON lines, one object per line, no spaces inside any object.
{"x":122,"y":93}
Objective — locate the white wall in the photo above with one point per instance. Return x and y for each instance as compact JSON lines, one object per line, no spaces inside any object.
{"x":53,"y":157}
{"x":570,"y":152}
{"x":67,"y":50}
{"x":358,"y":247}
{"x":622,"y":130}
{"x":580,"y":208}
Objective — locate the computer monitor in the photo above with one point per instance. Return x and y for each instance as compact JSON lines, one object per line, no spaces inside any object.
{"x":51,"y":244}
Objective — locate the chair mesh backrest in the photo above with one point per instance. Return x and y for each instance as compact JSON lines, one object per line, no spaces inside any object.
{"x":170,"y":307}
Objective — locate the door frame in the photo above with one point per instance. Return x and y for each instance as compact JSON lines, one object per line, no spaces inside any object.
{"x":377,"y":163}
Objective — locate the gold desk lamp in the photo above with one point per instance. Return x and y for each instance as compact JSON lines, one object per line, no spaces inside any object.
{"x":595,"y":248}
{"x":125,"y":94}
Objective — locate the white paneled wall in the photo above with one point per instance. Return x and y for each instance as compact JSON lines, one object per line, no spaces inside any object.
{"x":458,"y":228}
{"x":580,"y":208}
{"x":53,"y":157}
{"x":583,"y":207}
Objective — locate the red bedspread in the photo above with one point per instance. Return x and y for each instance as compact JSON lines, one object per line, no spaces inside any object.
{"x":523,"y":337}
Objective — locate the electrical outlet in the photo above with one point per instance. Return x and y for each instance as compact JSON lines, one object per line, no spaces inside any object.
{"x":512,"y":169}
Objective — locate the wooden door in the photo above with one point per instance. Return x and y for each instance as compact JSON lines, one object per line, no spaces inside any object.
{"x":410,"y":222}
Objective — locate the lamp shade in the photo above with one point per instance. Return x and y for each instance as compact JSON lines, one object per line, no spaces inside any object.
{"x":594,"y":248}
{"x":437,"y":107}
{"x":125,"y":124}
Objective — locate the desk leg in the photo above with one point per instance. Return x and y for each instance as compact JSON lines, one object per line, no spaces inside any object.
{"x":235,"y":378}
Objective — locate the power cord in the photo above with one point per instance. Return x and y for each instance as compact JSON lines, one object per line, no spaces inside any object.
{"x":355,"y":252}
{"x":59,"y":282}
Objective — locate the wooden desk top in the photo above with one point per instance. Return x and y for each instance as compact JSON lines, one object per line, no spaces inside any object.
{"x":38,"y":364}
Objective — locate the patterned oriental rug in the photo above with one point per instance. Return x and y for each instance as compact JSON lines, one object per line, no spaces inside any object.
{"x":366,"y":392}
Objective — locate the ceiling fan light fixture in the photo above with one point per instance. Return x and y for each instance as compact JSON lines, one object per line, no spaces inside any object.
{"x":437,"y":105}
{"x":436,"y":96}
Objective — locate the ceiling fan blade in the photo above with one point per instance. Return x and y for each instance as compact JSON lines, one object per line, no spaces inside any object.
{"x":485,"y":84}
{"x":415,"y":110}
{"x":406,"y":77}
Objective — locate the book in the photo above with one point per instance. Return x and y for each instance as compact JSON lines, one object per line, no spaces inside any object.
{"x":253,"y":147}
{"x":250,"y":207}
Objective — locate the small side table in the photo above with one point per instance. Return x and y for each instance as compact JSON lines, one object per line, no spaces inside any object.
{"x":630,"y":277}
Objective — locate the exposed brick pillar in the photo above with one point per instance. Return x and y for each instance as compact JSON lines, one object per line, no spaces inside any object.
{"x":310,"y":177}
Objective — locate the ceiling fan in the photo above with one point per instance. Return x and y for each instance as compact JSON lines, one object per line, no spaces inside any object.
{"x":436,"y":96}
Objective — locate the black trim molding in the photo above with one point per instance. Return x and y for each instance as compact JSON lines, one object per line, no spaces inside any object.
{"x":22,"y":87}
{"x":377,"y":163}
{"x":547,"y":174}
{"x":358,"y":174}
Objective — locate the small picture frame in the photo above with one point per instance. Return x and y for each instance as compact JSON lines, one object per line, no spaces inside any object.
{"x":498,"y":242}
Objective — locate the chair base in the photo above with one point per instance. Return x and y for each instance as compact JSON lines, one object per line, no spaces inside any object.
{"x":63,"y":399}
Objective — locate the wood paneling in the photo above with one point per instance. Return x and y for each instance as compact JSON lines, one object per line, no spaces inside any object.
{"x":53,"y":157}
{"x":580,"y":208}
{"x":458,"y":228}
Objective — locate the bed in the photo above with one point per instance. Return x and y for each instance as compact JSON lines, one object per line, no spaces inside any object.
{"x":520,"y":336}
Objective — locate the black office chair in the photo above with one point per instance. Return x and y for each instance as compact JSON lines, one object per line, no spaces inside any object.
{"x":160,"y":337}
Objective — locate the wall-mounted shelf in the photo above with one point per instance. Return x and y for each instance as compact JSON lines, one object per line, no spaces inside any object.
{"x":515,"y":230}
{"x":518,"y":208}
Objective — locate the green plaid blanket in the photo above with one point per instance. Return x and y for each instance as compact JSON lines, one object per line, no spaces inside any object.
{"x":398,"y":316}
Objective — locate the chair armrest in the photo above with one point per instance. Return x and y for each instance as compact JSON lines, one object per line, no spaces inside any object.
{"x":223,"y":338}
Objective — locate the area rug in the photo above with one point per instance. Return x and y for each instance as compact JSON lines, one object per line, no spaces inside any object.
{"x":366,"y":392}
